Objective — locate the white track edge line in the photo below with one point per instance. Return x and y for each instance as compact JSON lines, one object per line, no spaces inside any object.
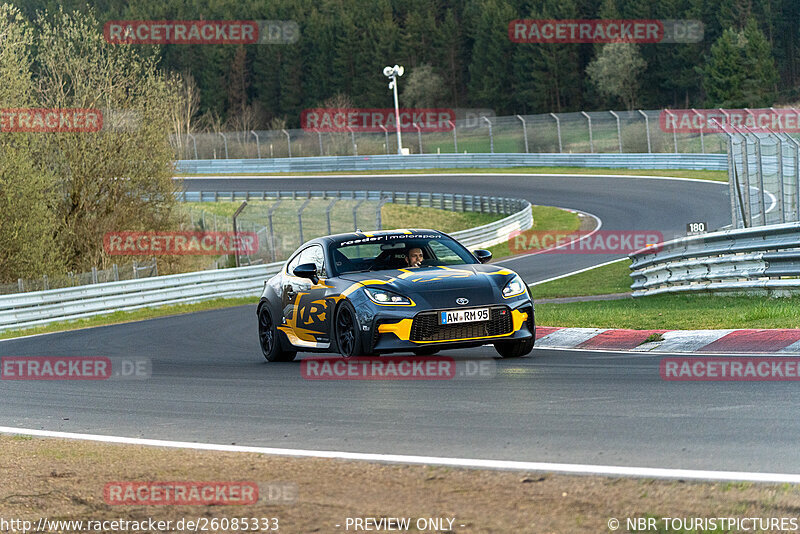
{"x":575,"y":240}
{"x":578,"y":271}
{"x":580,"y":469}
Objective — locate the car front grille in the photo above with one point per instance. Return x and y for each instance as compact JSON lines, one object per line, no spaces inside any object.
{"x":426,"y":326}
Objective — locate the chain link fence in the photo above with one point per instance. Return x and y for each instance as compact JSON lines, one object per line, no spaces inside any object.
{"x":132,"y":271}
{"x":284,"y":220}
{"x":637,"y":131}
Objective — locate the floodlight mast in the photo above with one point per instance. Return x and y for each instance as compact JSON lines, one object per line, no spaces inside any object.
{"x":392,"y":73}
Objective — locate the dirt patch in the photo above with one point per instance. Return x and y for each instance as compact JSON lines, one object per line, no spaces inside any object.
{"x":63,"y":479}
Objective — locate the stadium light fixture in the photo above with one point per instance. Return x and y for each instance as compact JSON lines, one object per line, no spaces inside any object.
{"x":392,"y":73}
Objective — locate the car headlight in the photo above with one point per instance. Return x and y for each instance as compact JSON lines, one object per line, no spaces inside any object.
{"x":514,"y":287}
{"x":387,"y":298}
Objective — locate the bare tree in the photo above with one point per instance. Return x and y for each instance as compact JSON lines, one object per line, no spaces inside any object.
{"x":110,"y":180}
{"x":616,"y":72}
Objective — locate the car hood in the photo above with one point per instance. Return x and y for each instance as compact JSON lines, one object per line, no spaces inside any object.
{"x":481,"y":284}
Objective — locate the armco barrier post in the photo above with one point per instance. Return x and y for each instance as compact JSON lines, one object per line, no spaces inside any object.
{"x":236,"y":213}
{"x":702,"y":139}
{"x":558,"y":130}
{"x":746,"y":168}
{"x":762,"y":204}
{"x":272,"y":229}
{"x":226,"y":144}
{"x":591,"y":141}
{"x":258,"y":144}
{"x":647,"y":128}
{"x":619,"y":130}
{"x":491,"y":137}
{"x":674,"y":131}
{"x":795,"y":145}
{"x":288,"y":142}
{"x":524,"y":132}
{"x":781,"y":189}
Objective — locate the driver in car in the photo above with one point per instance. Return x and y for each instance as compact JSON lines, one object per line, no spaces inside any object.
{"x":414,"y":257}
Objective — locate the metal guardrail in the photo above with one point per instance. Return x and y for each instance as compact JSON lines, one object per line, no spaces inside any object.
{"x":431,"y":161}
{"x":764,"y":259}
{"x":444,"y":201}
{"x":42,"y":307}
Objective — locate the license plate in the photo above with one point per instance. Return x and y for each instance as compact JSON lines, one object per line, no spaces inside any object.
{"x":464,"y":316}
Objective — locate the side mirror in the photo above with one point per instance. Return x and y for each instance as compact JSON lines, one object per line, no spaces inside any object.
{"x":306,"y":270}
{"x":483,"y":255}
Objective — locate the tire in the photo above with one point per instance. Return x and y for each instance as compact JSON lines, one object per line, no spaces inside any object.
{"x":348,"y":335}
{"x":426,"y":352}
{"x":269,"y":341}
{"x":514,"y":349}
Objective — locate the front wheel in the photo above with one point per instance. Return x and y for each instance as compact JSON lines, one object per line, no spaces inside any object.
{"x":514,"y":349}
{"x":348,"y":335}
{"x":268,"y":339}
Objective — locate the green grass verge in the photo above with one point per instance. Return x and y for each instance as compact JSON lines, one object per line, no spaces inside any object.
{"x":129,"y":316}
{"x":675,"y":312}
{"x":717,"y":176}
{"x":392,"y":215}
{"x":401,"y":216}
{"x":612,"y":278}
{"x":544,"y":218}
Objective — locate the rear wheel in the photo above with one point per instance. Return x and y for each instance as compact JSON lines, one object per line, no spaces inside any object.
{"x":268,"y":339}
{"x":514,"y":349}
{"x":348,"y":335}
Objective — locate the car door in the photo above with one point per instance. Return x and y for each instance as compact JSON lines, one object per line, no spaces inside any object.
{"x":305,"y":304}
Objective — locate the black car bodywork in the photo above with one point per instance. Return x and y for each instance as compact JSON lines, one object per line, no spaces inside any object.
{"x":319,"y":301}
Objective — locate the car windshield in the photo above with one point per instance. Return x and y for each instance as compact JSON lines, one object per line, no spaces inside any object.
{"x":379,"y":253}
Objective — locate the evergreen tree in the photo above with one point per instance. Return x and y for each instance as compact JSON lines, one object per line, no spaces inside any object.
{"x":491,"y":71}
{"x":740,"y":71}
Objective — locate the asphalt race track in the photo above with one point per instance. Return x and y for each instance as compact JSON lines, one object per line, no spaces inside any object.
{"x":626,"y":203}
{"x":210,"y":384}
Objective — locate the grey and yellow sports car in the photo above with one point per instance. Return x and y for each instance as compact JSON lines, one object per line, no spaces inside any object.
{"x":414,"y":291}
